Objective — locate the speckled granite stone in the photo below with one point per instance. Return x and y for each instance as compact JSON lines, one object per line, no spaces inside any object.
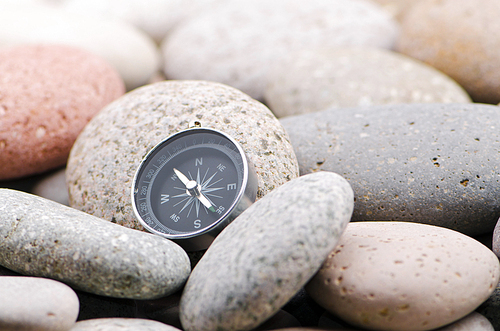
{"x":105,"y":157}
{"x":459,"y":38}
{"x":262,"y":259}
{"x":320,"y":78}
{"x":48,"y":94}
{"x":29,"y":303}
{"x":404,"y":276}
{"x":43,"y":238}
{"x":238,"y":42}
{"x":121,"y":324}
{"x":426,"y":163}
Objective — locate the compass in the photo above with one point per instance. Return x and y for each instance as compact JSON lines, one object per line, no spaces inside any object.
{"x":193,"y":184}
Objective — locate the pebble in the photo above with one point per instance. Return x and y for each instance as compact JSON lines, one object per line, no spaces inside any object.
{"x":459,"y":38}
{"x":369,"y":279}
{"x":157,"y":19}
{"x":41,"y":120}
{"x":264,"y":257}
{"x":133,"y":53}
{"x":40,"y":304}
{"x":102,"y":163}
{"x":122,"y":324}
{"x":47,"y":239}
{"x":425,"y":163}
{"x":232,"y":44}
{"x":53,"y":187}
{"x":316,"y":79}
{"x":491,"y":308}
{"x":472,"y":322}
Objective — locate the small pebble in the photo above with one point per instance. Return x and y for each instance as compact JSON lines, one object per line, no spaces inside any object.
{"x":103,"y":162}
{"x":239,"y":42}
{"x":425,"y":163}
{"x":121,"y":324}
{"x":472,"y":322}
{"x":40,"y":120}
{"x":40,"y":304}
{"x":460,"y":38}
{"x":265,"y":256}
{"x":350,"y":77}
{"x":46,"y":239}
{"x":370,"y":279}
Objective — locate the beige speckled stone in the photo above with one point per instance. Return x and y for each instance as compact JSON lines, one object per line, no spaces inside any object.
{"x":130,"y":51}
{"x":267,"y":254}
{"x":460,"y":38}
{"x":46,"y":239}
{"x":106,"y":155}
{"x":121,"y":324}
{"x":47,"y":95}
{"x":238,"y":42}
{"x":316,"y":79}
{"x":404,"y":276}
{"x":41,"y":304}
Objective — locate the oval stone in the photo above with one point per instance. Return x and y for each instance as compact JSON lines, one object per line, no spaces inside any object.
{"x":404,"y":276}
{"x":122,"y":324}
{"x":472,"y":322}
{"x":231,"y":43}
{"x":459,"y":38}
{"x":265,"y":256}
{"x":48,"y":94}
{"x":316,"y":79}
{"x":103,"y":162}
{"x":126,"y":48}
{"x":426,"y":163}
{"x":36,"y":304}
{"x":46,"y":239}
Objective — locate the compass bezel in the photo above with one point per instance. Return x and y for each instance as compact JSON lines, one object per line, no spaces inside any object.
{"x":202,"y":238}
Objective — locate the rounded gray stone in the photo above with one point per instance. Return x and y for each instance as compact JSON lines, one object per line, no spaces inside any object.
{"x":472,"y":322}
{"x":426,"y":163}
{"x":46,"y":239}
{"x":320,"y":78}
{"x":106,"y":155}
{"x":121,"y":324}
{"x":53,"y":187}
{"x":262,"y":259}
{"x":238,"y":42}
{"x":30,"y":303}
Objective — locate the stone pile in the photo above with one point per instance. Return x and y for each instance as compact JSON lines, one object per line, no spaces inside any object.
{"x":372,"y":126}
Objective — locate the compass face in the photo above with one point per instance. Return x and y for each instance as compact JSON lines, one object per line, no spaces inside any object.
{"x":189,"y":183}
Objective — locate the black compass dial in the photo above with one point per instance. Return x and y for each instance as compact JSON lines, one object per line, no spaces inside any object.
{"x":189,"y":182}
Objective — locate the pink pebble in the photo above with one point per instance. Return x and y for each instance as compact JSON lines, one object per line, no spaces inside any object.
{"x":48,"y":93}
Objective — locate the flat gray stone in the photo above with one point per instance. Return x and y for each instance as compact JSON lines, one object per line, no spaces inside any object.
{"x":106,"y":155}
{"x":121,"y":324}
{"x":426,"y":163}
{"x":30,"y":303}
{"x":43,"y":238}
{"x":262,"y":259}
{"x":320,"y":78}
{"x":239,"y":42}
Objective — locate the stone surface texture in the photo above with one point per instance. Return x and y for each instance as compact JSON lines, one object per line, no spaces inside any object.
{"x":42,"y":304}
{"x":103,"y":163}
{"x":459,"y":38}
{"x":369,"y":279}
{"x":43,"y":238}
{"x":316,"y":79}
{"x":265,"y":256}
{"x":425,"y":163}
{"x":48,"y":94}
{"x":134,"y":55}
{"x":397,"y":8}
{"x":231,"y":43}
{"x":121,"y":324}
